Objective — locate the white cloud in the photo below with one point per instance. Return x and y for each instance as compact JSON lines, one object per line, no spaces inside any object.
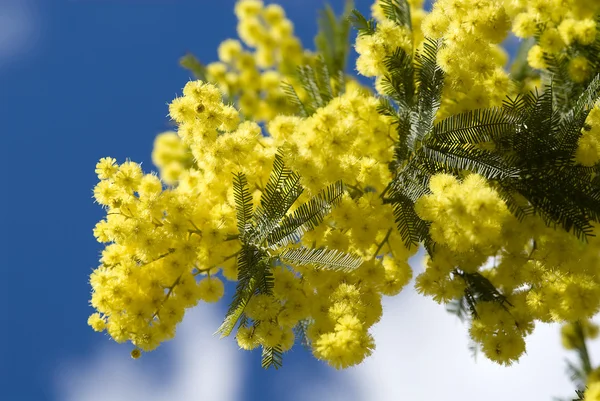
{"x":19,"y":30}
{"x":422,"y":354}
{"x":198,"y":366}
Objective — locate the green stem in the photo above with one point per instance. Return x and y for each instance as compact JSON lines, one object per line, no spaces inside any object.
{"x":199,"y":232}
{"x":167,"y":295}
{"x":158,"y":258}
{"x":355,"y":189}
{"x":119,"y":213}
{"x":382,"y":243}
{"x":586,"y":363}
{"x":232,"y":237}
{"x":533,"y":248}
{"x":208,"y":269}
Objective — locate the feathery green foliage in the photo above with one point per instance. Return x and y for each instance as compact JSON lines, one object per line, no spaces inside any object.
{"x":413,"y":114}
{"x":333,"y":39}
{"x":361,"y":24}
{"x":397,"y":11}
{"x":459,"y":308}
{"x":301,"y":332}
{"x":265,"y":233}
{"x":192,"y":64}
{"x":272,"y":356}
{"x":580,"y":395}
{"x":322,"y":258}
{"x":306,"y":217}
{"x":324,"y":78}
{"x":247,"y":263}
{"x":579,"y":371}
{"x":480,"y":289}
{"x":294,"y":100}
{"x":243,"y":202}
{"x":527,"y":148}
{"x":316,"y":81}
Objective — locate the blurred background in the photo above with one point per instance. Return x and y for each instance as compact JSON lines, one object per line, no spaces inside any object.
{"x":84,"y":79}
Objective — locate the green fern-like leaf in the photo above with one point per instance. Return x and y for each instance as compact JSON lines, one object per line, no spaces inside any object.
{"x":397,"y":11}
{"x":294,"y":100}
{"x":569,"y":129}
{"x":324,"y":258}
{"x":361,"y":24}
{"x":465,"y":157}
{"x":323,"y":79}
{"x":480,"y":289}
{"x":580,"y":395}
{"x":565,"y":90}
{"x":243,"y":202}
{"x":475,"y":127}
{"x":248,"y":259}
{"x":459,"y":308}
{"x":399,"y":82}
{"x":301,"y":333}
{"x":332,"y":41}
{"x":542,"y":151}
{"x":264,"y":232}
{"x":280,"y":193}
{"x":308,"y":79}
{"x":575,"y":373}
{"x":265,"y":278}
{"x":272,"y":357}
{"x":306,"y":217}
{"x":430,"y":82}
{"x":411,"y":227}
{"x":191,"y":63}
{"x":411,"y":182}
{"x":316,"y":81}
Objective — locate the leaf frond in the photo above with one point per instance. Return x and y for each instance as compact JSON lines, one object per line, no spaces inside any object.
{"x":430,"y":82}
{"x":278,"y":196}
{"x":293,"y":99}
{"x":247,"y":261}
{"x":332,"y":40}
{"x":323,"y":258}
{"x":459,"y":308}
{"x":243,"y":203}
{"x":480,"y":289}
{"x":361,"y":24}
{"x":301,"y":333}
{"x":306,"y":217}
{"x":397,"y":11}
{"x":411,"y":227}
{"x":192,"y":64}
{"x":399,"y":81}
{"x":272,"y":357}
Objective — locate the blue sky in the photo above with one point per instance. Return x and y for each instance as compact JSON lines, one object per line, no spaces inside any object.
{"x":84,"y":79}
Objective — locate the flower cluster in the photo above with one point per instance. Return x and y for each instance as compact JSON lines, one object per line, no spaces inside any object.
{"x":374,"y":49}
{"x":588,"y":150}
{"x":544,"y":274}
{"x":575,"y":336}
{"x":252,"y":76}
{"x":148,"y":272}
{"x":389,"y":36}
{"x":178,"y":234}
{"x":470,"y":58}
{"x":170,"y":238}
{"x":562,"y":28}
